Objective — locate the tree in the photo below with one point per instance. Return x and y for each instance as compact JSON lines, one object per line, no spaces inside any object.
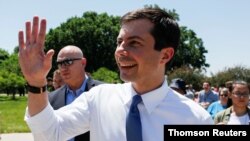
{"x":237,"y":72}
{"x":106,"y":75}
{"x":3,"y":55}
{"x":191,"y":50}
{"x":11,"y":64}
{"x":94,"y":33}
{"x":190,"y":76}
{"x":11,"y":78}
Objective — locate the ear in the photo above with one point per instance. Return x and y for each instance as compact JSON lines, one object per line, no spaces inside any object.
{"x":84,"y":61}
{"x":166,"y":54}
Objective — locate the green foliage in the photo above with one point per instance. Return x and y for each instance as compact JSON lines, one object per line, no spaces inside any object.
{"x":10,"y":74}
{"x":3,"y":55}
{"x":12,"y":114}
{"x":230,"y":74}
{"x":16,"y":50}
{"x":11,"y":64}
{"x":94,"y":33}
{"x":190,"y":76}
{"x":106,"y":75}
{"x":191,"y":50}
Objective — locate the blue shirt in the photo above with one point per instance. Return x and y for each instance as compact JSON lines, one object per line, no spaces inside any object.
{"x":72,"y":95}
{"x":210,"y":97}
{"x":215,"y":107}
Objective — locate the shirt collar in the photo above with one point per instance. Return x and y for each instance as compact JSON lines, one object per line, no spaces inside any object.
{"x":81,"y":89}
{"x":150,"y":99}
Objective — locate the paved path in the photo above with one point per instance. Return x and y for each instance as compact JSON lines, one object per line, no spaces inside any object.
{"x":16,"y":137}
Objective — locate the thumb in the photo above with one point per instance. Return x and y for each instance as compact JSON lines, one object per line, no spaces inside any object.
{"x":48,"y":59}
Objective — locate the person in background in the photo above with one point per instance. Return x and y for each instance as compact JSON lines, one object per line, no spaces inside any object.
{"x":196,"y":96}
{"x":146,"y":43}
{"x":229,"y":85}
{"x":57,"y":79}
{"x":50,"y":84}
{"x":219,"y":105}
{"x":239,"y":112}
{"x":190,"y":91}
{"x":207,"y":96}
{"x":178,"y":85}
{"x":71,"y":65}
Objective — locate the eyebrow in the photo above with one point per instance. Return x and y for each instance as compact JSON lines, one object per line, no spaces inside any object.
{"x":132,"y":38}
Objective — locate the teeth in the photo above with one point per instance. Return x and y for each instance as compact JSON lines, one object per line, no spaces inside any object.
{"x":126,"y":65}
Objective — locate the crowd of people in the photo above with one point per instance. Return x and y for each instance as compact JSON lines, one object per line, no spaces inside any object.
{"x":137,"y":109}
{"x":229,"y":104}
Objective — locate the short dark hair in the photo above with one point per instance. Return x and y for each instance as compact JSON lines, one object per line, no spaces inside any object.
{"x":166,"y":31}
{"x":241,"y":82}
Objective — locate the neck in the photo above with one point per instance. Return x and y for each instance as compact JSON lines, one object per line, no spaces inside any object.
{"x":147,"y":86}
{"x":223,"y":102}
{"x":77,"y":84}
{"x":239,"y":111}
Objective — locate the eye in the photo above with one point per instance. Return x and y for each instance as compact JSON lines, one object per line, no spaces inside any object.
{"x":118,"y":42}
{"x":68,"y":62}
{"x":135,"y":43}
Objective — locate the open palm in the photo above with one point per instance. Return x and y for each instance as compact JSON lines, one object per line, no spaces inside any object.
{"x":34,"y":63}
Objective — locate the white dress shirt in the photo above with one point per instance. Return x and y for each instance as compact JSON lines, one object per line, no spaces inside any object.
{"x":103,"y":111}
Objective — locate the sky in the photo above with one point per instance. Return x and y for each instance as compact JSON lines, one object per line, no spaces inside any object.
{"x":223,"y":25}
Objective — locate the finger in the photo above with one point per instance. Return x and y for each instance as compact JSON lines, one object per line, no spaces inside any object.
{"x":20,"y":40}
{"x":42,"y":33}
{"x":34,"y":29}
{"x":28,"y":32}
{"x":48,"y":59}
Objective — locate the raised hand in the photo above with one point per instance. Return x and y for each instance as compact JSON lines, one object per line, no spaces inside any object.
{"x":34,"y":63}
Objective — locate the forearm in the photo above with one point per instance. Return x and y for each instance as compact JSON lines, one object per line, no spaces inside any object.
{"x":37,"y":102}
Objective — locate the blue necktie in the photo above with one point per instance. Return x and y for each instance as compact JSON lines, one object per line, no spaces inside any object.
{"x":133,"y":123}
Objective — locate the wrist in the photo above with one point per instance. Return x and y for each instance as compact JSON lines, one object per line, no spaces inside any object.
{"x":36,"y":90}
{"x":40,"y":83}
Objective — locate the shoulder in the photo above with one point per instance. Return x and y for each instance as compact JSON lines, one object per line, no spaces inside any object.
{"x":93,"y":82}
{"x":182,"y":106}
{"x":187,"y":104}
{"x":221,"y":116}
{"x":56,"y":92}
{"x":108,"y":88}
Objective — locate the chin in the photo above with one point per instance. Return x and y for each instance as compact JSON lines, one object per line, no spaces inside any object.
{"x":126,"y":78}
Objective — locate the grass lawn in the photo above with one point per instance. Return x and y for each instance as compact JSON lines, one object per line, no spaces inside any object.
{"x":12,"y":114}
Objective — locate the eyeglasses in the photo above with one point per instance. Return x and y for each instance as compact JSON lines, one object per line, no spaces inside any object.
{"x":241,"y":95}
{"x":66,"y":62}
{"x":225,"y":95}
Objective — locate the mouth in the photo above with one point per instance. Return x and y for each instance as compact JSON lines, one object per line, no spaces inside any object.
{"x":124,"y":65}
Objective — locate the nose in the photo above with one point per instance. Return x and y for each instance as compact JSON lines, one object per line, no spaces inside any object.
{"x":121,"y":50}
{"x":63,"y":67}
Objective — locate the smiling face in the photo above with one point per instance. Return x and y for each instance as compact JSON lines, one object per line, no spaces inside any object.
{"x":136,"y":57}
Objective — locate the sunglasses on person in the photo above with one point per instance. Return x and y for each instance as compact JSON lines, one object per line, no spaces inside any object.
{"x":225,"y":95}
{"x":66,"y":62}
{"x":241,"y":94}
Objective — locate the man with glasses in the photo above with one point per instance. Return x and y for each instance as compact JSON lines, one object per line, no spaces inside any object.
{"x":239,"y":112}
{"x":71,"y":64}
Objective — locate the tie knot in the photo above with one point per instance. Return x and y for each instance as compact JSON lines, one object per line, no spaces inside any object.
{"x":136,"y":99}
